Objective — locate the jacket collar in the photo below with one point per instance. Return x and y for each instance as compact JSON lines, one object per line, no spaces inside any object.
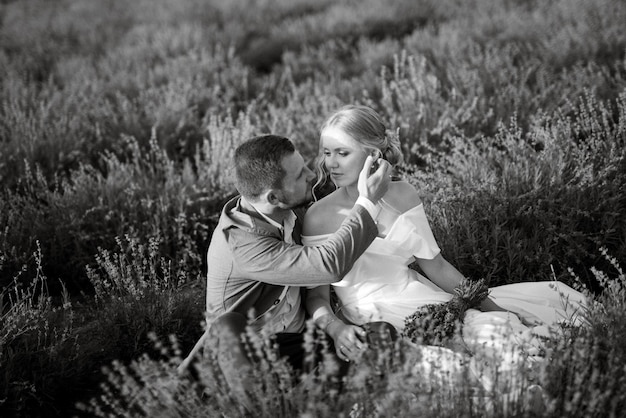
{"x":234,"y":215}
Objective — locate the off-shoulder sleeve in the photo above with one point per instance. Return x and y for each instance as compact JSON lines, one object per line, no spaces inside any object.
{"x":409,"y":235}
{"x":412,"y":232}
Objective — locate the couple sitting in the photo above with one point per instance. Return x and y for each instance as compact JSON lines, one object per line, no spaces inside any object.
{"x":268,"y":256}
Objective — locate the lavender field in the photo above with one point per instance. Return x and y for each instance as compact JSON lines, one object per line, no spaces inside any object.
{"x":117,"y":124}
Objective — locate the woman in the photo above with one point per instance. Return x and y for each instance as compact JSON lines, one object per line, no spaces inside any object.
{"x":381,"y":286}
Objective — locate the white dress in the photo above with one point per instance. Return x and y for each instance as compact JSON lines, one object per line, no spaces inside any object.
{"x":381,"y":287}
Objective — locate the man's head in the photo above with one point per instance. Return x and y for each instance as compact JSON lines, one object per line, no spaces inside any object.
{"x":268,"y":169}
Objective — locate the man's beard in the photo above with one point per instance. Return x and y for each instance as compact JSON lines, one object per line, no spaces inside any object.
{"x":299,"y":204}
{"x":304,"y":204}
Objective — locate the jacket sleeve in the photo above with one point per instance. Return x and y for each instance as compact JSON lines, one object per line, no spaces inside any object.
{"x":271,"y":260}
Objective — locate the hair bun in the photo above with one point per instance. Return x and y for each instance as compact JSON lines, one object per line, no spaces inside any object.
{"x":393,"y":151}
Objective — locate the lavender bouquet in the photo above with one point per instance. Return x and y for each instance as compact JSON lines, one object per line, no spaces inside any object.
{"x":436,"y":324}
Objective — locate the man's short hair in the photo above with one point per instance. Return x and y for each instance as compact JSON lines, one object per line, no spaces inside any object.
{"x":258,"y":164}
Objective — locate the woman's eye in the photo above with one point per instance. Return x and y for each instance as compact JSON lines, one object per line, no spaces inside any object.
{"x":343,"y":154}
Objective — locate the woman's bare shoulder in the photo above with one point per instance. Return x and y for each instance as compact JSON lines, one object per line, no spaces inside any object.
{"x":402,"y":196}
{"x":324,"y":216}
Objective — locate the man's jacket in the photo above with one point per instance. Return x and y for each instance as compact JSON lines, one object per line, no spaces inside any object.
{"x":249,"y":264}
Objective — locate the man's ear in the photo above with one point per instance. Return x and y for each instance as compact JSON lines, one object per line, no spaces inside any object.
{"x":271,"y":196}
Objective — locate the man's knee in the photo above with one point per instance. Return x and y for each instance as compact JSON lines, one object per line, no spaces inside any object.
{"x":227,"y":334}
{"x":229,"y":326}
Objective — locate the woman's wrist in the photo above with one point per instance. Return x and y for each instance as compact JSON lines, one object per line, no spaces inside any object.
{"x":330,"y":324}
{"x":333,"y":326}
{"x":325,"y":321}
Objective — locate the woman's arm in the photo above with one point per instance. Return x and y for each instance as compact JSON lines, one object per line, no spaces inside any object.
{"x":447,"y":277}
{"x":318,"y":306}
{"x":349,"y":339}
{"x":441,"y":272}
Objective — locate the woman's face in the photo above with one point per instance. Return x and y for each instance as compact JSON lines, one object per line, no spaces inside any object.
{"x":343,"y":156}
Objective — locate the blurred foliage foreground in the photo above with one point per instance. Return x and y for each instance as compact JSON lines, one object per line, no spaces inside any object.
{"x":117,"y":123}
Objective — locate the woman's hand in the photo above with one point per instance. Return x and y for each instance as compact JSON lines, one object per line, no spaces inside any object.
{"x":529,"y":319}
{"x":349,"y":340}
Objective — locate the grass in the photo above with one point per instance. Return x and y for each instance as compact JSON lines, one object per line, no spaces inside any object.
{"x":117,"y":122}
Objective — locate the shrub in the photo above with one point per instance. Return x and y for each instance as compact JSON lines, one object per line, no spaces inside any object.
{"x":387,"y":383}
{"x":36,"y":334}
{"x":586,"y":369}
{"x":526,"y":206}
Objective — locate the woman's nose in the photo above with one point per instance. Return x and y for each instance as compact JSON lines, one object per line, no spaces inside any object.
{"x":331,"y":161}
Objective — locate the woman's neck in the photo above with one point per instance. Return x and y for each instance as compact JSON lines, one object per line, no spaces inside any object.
{"x":351,"y":193}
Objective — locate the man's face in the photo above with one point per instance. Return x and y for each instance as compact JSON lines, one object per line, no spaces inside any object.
{"x":297,"y":183}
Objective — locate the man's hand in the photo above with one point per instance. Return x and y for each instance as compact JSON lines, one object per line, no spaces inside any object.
{"x":374,"y":186}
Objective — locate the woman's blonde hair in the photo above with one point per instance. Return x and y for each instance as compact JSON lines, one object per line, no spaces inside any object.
{"x":365,"y":126}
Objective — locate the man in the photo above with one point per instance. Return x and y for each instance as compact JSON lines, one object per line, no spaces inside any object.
{"x":255,"y":260}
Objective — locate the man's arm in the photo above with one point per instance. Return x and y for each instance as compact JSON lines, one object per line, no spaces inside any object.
{"x":271,"y":260}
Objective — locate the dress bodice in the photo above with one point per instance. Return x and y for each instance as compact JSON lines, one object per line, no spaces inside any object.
{"x":402,"y":237}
